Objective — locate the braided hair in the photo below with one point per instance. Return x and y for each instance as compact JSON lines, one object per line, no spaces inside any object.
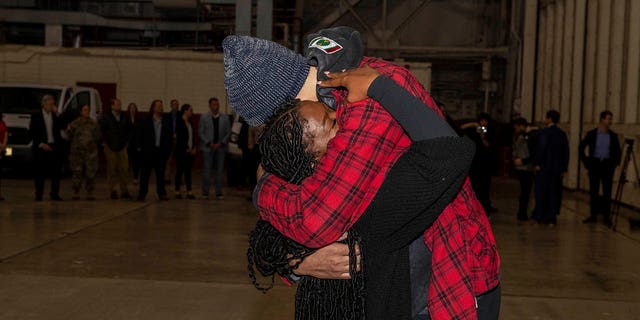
{"x":284,"y":151}
{"x":283,"y":145}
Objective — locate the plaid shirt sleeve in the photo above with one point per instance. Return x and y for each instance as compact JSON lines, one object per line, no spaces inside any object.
{"x":318,"y":211}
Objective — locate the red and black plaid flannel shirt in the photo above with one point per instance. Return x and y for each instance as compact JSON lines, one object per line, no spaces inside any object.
{"x":465,"y":261}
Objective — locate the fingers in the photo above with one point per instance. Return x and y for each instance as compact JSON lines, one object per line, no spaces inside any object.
{"x":331,"y":83}
{"x":343,"y":236}
{"x":345,"y":276}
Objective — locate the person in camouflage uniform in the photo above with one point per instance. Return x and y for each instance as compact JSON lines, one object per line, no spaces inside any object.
{"x":84,"y":133}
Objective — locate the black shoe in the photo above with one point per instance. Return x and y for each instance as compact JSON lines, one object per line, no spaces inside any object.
{"x":590,"y":220}
{"x":523,"y":219}
{"x":114,"y":195}
{"x":190,"y":196}
{"x":38,"y":198}
{"x":140,"y":198}
{"x":163,"y":197}
{"x":125,"y":195}
{"x":56,"y":198}
{"x":178,"y":195}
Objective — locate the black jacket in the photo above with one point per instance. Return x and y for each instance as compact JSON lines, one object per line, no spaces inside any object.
{"x":615,"y":153}
{"x":182,"y":136}
{"x":148,"y":136}
{"x":415,"y":191}
{"x":553,"y":150}
{"x":135,"y":137}
{"x":115,"y":133}
{"x":38,"y":131}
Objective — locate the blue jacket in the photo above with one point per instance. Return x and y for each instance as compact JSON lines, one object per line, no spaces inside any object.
{"x":205,"y":130}
{"x":553,"y":150}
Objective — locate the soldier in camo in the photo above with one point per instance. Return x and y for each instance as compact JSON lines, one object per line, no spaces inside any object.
{"x":84,"y":133}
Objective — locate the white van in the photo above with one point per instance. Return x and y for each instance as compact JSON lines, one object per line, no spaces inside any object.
{"x":19,"y":101}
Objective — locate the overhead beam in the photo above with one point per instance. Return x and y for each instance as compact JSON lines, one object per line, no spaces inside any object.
{"x":89,"y":19}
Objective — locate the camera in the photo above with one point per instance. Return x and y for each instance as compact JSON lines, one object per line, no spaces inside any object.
{"x":482,"y":129}
{"x":629,"y":142}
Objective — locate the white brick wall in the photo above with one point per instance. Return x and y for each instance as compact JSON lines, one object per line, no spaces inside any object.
{"x":140,"y":76}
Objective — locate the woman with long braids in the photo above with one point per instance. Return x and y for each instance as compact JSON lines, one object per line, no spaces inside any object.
{"x":418,"y":187}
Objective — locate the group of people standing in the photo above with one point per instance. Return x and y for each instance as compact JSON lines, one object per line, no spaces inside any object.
{"x":541,"y":158}
{"x":129,"y":141}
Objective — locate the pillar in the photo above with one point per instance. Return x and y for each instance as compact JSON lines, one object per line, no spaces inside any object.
{"x":540,"y":66}
{"x":243,"y":17}
{"x":590,"y":60}
{"x":548,"y":57}
{"x":529,"y":58}
{"x":264,"y":21}
{"x":602,"y":58}
{"x":556,"y":76}
{"x":580,"y":12}
{"x":633,"y":65}
{"x":616,"y":52}
{"x":567,"y":58}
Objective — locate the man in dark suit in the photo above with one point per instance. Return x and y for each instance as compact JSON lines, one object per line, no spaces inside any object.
{"x":552,"y":160}
{"x":47,"y":145}
{"x":156,"y":144}
{"x":604,"y":156}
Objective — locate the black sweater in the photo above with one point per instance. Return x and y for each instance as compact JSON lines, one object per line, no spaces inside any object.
{"x":417,"y":188}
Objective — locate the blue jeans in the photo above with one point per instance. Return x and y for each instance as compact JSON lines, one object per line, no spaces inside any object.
{"x":208,"y":158}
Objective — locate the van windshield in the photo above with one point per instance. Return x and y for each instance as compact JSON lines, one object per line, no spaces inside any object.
{"x":23,"y":100}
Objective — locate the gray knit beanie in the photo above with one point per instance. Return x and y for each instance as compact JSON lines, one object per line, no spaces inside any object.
{"x":259,"y":75}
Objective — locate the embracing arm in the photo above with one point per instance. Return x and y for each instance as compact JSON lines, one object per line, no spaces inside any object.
{"x":419,"y":121}
{"x":318,"y":211}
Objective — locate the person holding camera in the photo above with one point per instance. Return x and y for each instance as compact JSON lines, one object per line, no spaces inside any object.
{"x":604,"y":156}
{"x":484,"y":161}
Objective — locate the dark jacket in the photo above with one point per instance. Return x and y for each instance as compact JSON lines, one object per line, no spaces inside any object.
{"x":553,"y":150}
{"x":135,"y":137}
{"x":615,"y":153}
{"x":148,"y":137}
{"x":38,"y":131}
{"x":115,"y":133}
{"x":182,"y":136}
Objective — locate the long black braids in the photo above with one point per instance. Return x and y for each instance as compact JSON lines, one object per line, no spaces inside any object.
{"x":282,"y":144}
{"x":283,"y":147}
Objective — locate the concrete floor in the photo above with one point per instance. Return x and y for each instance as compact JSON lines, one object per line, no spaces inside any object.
{"x":186,"y":260}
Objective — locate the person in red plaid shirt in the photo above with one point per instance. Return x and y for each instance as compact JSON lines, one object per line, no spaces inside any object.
{"x":464,"y":283}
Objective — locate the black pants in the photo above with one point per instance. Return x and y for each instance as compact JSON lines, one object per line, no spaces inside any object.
{"x":135,"y":162}
{"x":600,"y":172}
{"x":481,"y":183}
{"x":489,"y":304}
{"x":47,"y":164}
{"x":526,"y":185}
{"x":249,"y":167}
{"x":156,"y":161}
{"x":548,"y":196}
{"x":184,"y":163}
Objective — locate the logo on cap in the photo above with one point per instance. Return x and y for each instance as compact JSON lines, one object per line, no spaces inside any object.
{"x":325,"y":44}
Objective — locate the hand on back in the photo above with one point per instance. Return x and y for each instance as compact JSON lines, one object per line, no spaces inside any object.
{"x":356,"y":81}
